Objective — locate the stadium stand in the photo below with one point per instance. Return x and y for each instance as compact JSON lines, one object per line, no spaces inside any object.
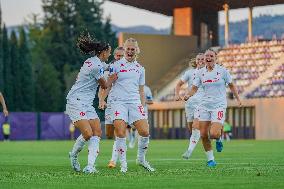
{"x":249,"y":62}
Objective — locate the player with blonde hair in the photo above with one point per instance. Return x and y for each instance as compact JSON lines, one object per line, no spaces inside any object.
{"x":192,"y":104}
{"x":127,"y":93}
{"x":213,"y":78}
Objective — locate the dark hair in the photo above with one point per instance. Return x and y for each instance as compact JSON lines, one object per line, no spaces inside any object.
{"x":89,"y":45}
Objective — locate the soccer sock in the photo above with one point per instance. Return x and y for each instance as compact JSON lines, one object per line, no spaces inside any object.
{"x":209,"y":155}
{"x":121,"y":150}
{"x":93,"y":148}
{"x":195,"y":136}
{"x":78,"y":146}
{"x":219,"y":139}
{"x":142,"y":147}
{"x":114,"y":155}
{"x":130,"y":136}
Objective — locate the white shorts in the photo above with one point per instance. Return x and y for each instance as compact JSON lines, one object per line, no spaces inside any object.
{"x":217,"y":115}
{"x":78,"y":112}
{"x":190,"y":113}
{"x":108,"y":115}
{"x":128,"y":112}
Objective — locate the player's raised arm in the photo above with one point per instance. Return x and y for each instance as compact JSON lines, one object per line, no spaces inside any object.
{"x":190,"y":93}
{"x":142,"y":95}
{"x":177,"y":90}
{"x":2,"y":100}
{"x":235,"y":92}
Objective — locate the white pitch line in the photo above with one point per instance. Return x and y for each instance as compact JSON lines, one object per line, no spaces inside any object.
{"x":203,"y":159}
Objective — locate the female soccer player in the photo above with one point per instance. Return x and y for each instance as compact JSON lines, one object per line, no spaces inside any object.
{"x":192,"y":104}
{"x":118,"y":54}
{"x":213,"y":78}
{"x":80,"y":100}
{"x":127,"y":92}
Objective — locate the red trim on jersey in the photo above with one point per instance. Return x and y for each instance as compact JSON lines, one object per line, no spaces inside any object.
{"x":89,"y":64}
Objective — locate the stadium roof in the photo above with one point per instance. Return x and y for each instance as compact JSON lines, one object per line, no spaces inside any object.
{"x":166,"y":6}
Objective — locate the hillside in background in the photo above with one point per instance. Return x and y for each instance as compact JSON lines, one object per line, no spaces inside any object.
{"x":265,"y":26}
{"x":141,"y":29}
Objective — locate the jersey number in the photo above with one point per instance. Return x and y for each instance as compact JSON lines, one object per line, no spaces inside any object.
{"x":141,"y":110}
{"x":220,"y":115}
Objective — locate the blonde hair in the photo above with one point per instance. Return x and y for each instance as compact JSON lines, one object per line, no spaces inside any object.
{"x":134,"y":42}
{"x":118,"y":49}
{"x":192,"y":62}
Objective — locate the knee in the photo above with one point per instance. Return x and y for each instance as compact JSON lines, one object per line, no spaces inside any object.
{"x":144,"y":133}
{"x":98,"y":133}
{"x":215,"y":134}
{"x":120,"y":133}
{"x":204,"y":134}
{"x":87,"y":134}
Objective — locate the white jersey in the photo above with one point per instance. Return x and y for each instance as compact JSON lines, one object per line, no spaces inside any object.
{"x":148,"y":97}
{"x":214,"y":85}
{"x":130,"y":76}
{"x":188,"y":78}
{"x":86,"y":83}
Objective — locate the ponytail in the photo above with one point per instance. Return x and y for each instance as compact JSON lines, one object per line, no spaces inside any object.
{"x":89,"y":45}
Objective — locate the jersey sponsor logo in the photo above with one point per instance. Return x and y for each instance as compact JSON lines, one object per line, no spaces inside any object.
{"x":211,"y":81}
{"x":123,"y":71}
{"x":82,"y":114}
{"x":89,"y":64}
{"x":220,"y":115}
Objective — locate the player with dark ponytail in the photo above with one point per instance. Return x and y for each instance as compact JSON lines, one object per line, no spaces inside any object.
{"x":80,"y":98}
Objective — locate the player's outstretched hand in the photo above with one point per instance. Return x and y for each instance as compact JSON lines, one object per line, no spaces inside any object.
{"x":186,"y":97}
{"x":113,"y":77}
{"x":6,"y":113}
{"x":240,"y":103}
{"x":102,"y":105}
{"x":177,"y":98}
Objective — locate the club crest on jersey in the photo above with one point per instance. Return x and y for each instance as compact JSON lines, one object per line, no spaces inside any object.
{"x":82,"y":113}
{"x":111,"y":70}
{"x":101,"y":70}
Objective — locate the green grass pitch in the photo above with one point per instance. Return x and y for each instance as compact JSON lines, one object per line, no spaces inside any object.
{"x":242,"y":164}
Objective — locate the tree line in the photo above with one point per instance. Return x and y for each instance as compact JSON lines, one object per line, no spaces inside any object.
{"x":39,"y":62}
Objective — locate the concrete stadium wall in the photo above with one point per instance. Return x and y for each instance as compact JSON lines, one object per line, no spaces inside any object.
{"x":269,"y":115}
{"x":159,"y":53}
